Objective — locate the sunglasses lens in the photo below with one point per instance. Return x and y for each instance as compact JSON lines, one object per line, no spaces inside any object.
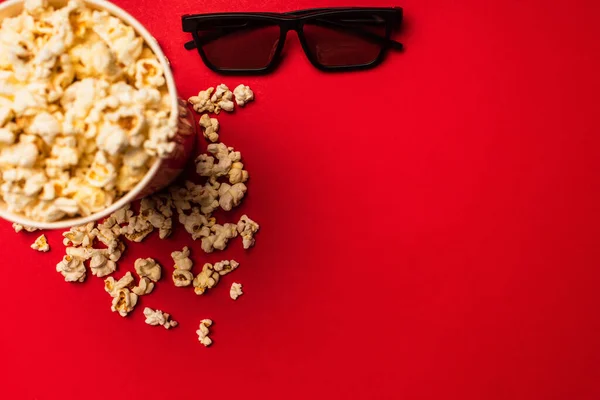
{"x":337,"y":42}
{"x":239,"y":45}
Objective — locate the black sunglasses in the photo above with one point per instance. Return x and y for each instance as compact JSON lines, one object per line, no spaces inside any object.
{"x":333,"y":39}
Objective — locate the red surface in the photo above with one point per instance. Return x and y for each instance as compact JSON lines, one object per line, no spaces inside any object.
{"x":429,"y":229}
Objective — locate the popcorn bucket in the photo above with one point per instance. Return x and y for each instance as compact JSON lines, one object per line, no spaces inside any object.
{"x":164,"y":170}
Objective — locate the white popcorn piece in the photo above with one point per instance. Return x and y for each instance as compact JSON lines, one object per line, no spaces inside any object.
{"x":203,"y":332}
{"x":19,"y":155}
{"x":235,"y":291}
{"x":18,"y":228}
{"x":80,"y":253}
{"x":237,"y":173}
{"x":137,"y":229}
{"x":243,"y":94}
{"x":35,"y":7}
{"x":157,"y":317}
{"x":222,"y":99}
{"x":45,"y":125}
{"x":148,"y":267}
{"x":72,"y":269}
{"x":205,"y":165}
{"x":149,"y":72}
{"x":182,"y":278}
{"x":41,"y":244}
{"x":182,"y":259}
{"x":219,"y":237}
{"x":247,"y":228}
{"x":210,"y":128}
{"x":112,"y":286}
{"x":144,"y":287}
{"x":100,"y":265}
{"x":83,"y":235}
{"x":224,"y":267}
{"x":202,"y":102}
{"x":231,"y":195}
{"x":102,"y":173}
{"x":196,"y":224}
{"x":124,"y":302}
{"x":206,"y":279}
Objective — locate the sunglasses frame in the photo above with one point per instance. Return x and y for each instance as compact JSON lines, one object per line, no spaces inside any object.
{"x":295,"y":21}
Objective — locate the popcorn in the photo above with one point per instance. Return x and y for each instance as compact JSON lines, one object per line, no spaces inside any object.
{"x":45,"y":125}
{"x":247,"y":228}
{"x":80,"y":94}
{"x":102,"y":174}
{"x":235,"y":291}
{"x":19,"y":155}
{"x":222,"y":99}
{"x":147,"y":267}
{"x":80,"y":253}
{"x":182,"y":259}
{"x":149,"y":72}
{"x":243,"y":94}
{"x":196,"y":224}
{"x":202,"y":102}
{"x":237,"y":173}
{"x":225,"y":267}
{"x":112,"y":287}
{"x":100,"y":265}
{"x":220,"y":235}
{"x":41,"y":244}
{"x":205,"y":165}
{"x":210,"y":127}
{"x":182,"y":278}
{"x":124,"y":302}
{"x":231,"y":196}
{"x":144,"y":287}
{"x":138,"y":229}
{"x":18,"y":228}
{"x":206,"y":279}
{"x":82,"y":235}
{"x":72,"y":269}
{"x":157,"y":317}
{"x":203,"y":332}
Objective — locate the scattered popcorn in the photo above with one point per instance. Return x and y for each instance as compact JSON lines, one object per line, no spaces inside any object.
{"x":100,"y":265}
{"x":206,"y":279}
{"x":219,"y":236}
{"x":41,"y":244}
{"x":235,"y":291}
{"x":202,"y":102}
{"x":147,"y":267}
{"x":210,"y":127}
{"x":80,"y":235}
{"x":18,"y":228}
{"x":72,"y":269}
{"x":113,"y":287}
{"x":231,"y":196}
{"x":203,"y":332}
{"x":225,"y":267}
{"x":84,"y":111}
{"x":243,"y":94}
{"x":144,"y":287}
{"x":182,"y":278}
{"x":182,"y":259}
{"x":124,"y":302}
{"x":64,"y":190}
{"x":81,"y":253}
{"x":157,"y":317}
{"x":247,"y":228}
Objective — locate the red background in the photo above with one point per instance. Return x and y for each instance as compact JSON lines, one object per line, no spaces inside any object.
{"x":429,"y":228}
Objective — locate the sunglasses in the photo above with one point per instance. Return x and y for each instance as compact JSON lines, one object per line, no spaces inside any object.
{"x":334,"y":39}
